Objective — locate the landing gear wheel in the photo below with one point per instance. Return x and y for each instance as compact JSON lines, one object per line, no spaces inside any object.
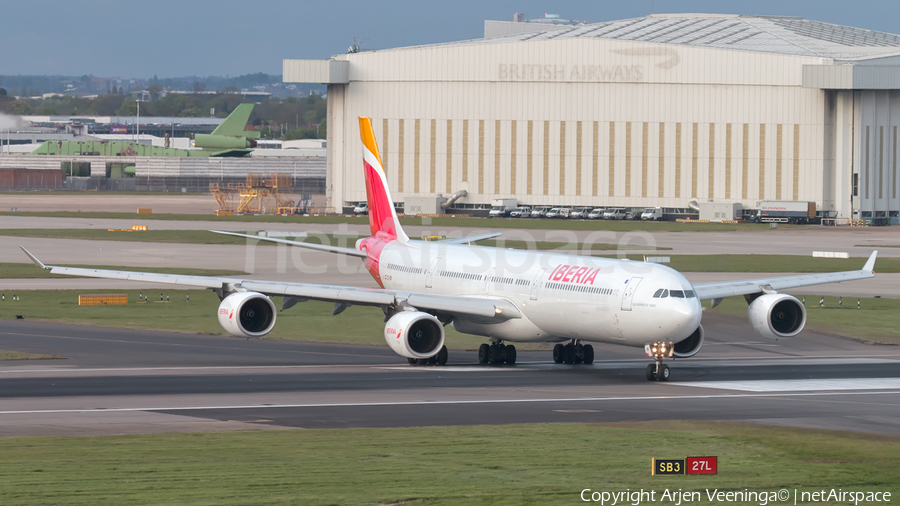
{"x":483,"y":353}
{"x":412,"y":361}
{"x":442,"y":356}
{"x":510,"y":354}
{"x":494,"y":354}
{"x":432,"y":360}
{"x":588,"y":354}
{"x":663,"y":373}
{"x":570,"y":353}
{"x":651,"y":372}
{"x":559,"y":353}
{"x":579,"y":354}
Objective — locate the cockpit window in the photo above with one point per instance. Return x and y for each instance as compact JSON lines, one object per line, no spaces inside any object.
{"x":678,"y":294}
{"x":658,"y":294}
{"x":689,"y":294}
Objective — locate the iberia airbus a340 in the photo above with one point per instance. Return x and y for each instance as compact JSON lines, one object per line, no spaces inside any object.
{"x":502,"y":294}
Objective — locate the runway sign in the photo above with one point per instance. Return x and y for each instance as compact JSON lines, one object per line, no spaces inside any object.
{"x":687,"y":465}
{"x":667,"y":466}
{"x":702,"y":465}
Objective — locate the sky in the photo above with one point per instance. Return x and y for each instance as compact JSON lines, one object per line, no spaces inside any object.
{"x":172,"y":38}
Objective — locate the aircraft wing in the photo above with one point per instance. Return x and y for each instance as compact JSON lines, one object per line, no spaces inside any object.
{"x":720,"y":290}
{"x":496,"y":309}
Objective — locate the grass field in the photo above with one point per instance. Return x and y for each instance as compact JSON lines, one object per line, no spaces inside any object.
{"x":684,"y":263}
{"x":876,"y":321}
{"x":98,"y":194}
{"x":93,"y":234}
{"x":31,"y":271}
{"x":480,"y":465}
{"x":467,"y":222}
{"x":204,"y":237}
{"x":18,"y":355}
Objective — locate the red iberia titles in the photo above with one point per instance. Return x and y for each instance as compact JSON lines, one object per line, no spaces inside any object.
{"x":574,"y":274}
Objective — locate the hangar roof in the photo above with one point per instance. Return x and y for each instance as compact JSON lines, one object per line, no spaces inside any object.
{"x":768,"y":34}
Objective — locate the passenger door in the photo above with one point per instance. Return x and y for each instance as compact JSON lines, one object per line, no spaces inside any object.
{"x":537,"y":283}
{"x":629,"y":292}
{"x":430,"y":273}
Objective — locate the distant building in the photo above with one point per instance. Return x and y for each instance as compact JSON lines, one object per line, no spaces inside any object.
{"x":99,"y":84}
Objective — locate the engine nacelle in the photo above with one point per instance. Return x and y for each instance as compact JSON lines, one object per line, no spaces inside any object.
{"x":777,"y":315}
{"x":247,"y":314}
{"x":413,"y":334}
{"x":690,"y":346}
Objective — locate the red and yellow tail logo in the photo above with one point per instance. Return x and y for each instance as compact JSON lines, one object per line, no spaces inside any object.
{"x":383,"y":219}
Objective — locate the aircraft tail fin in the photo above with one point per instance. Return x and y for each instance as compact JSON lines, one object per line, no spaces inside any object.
{"x":382,"y":216}
{"x":235,"y":122}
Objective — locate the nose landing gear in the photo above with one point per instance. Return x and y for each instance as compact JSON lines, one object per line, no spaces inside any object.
{"x":573,"y":353}
{"x":659,"y":351}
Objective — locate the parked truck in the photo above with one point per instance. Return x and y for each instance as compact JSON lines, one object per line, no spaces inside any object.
{"x":500,"y":208}
{"x":785,"y":211}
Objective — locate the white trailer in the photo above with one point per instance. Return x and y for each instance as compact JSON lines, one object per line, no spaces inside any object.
{"x":785,"y":211}
{"x":720,"y":211}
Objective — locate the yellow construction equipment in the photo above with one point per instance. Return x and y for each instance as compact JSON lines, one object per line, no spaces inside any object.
{"x":262,"y":193}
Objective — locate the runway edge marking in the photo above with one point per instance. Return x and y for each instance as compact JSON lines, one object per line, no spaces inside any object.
{"x":438,"y":403}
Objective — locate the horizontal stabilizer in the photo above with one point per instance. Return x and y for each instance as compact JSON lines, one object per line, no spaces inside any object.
{"x":308,"y":245}
{"x":470,"y":239}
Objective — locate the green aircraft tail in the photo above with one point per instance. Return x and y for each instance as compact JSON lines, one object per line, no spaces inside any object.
{"x":235,"y":122}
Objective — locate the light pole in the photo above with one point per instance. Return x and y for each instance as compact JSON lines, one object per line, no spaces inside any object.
{"x":138,"y":122}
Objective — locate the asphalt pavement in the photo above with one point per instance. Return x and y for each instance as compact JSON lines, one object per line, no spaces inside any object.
{"x":129,"y":381}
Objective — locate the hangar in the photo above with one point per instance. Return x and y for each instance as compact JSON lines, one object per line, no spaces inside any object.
{"x":652,"y":111}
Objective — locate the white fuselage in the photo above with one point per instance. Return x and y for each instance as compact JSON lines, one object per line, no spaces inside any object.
{"x":561,"y":296}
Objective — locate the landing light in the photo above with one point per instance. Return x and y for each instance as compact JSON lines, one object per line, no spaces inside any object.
{"x":498,"y":310}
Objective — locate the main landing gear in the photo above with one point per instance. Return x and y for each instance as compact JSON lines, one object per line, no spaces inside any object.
{"x":439,"y":359}
{"x":659,"y":351}
{"x":497,"y":353}
{"x":573,"y":353}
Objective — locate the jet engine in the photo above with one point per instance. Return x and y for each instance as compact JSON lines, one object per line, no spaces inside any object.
{"x":247,"y":314}
{"x":777,"y":315}
{"x":413,"y":334}
{"x":690,"y":346}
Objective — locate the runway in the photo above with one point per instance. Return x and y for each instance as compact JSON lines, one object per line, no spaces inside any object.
{"x":126,"y":381}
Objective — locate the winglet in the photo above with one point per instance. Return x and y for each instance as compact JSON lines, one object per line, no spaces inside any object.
{"x":870,"y":264}
{"x":34,"y":258}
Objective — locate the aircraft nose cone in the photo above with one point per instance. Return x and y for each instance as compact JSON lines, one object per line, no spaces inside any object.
{"x":688,"y":314}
